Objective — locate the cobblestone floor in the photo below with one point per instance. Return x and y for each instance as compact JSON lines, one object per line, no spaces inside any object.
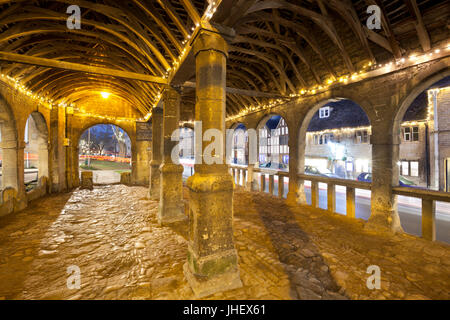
{"x":111,"y":234}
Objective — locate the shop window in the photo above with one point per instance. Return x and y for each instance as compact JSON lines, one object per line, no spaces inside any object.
{"x":414,"y":168}
{"x":405,"y":168}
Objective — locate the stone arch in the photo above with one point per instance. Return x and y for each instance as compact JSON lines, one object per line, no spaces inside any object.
{"x":9,"y":146}
{"x":403,"y":107}
{"x":237,"y":127}
{"x":282,"y":153}
{"x":305,"y":121}
{"x":78,"y":133}
{"x":410,"y":97}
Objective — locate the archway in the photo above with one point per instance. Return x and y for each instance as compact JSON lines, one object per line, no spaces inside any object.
{"x":186,"y":144}
{"x":334,"y":143}
{"x":239,"y":145}
{"x":105,"y":149}
{"x":421,"y":131}
{"x":273,"y":148}
{"x":35,"y":151}
{"x":273,"y":154}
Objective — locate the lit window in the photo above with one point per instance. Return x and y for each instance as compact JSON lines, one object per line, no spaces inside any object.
{"x":282,"y":130}
{"x":324,"y":112}
{"x":407,"y":134}
{"x":286,"y":130}
{"x":414,"y":168}
{"x":405,"y":168}
{"x":415,"y":134}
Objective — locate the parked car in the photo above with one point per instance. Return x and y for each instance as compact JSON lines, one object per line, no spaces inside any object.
{"x":403,"y":182}
{"x":266,"y":165}
{"x":320,"y":172}
{"x":274,"y":166}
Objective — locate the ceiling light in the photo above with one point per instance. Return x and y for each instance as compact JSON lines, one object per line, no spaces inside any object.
{"x":105,"y":95}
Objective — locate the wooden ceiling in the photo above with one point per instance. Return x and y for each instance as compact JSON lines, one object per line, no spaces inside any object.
{"x":280,"y":46}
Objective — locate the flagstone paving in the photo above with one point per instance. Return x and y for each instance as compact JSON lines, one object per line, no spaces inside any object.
{"x":111,"y":234}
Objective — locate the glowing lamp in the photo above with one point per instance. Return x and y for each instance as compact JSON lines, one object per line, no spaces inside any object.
{"x":105,"y":95}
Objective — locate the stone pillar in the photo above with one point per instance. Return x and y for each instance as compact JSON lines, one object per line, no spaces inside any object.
{"x":212,"y":264}
{"x":70,"y":165}
{"x":429,"y":219}
{"x":350,"y":200}
{"x":10,"y":177}
{"x":271,"y":184}
{"x":385,"y":173}
{"x":76,"y":164}
{"x":57,"y":156}
{"x":249,"y":181}
{"x":296,"y":193}
{"x":171,"y":206}
{"x":156,"y":158}
{"x":142,"y":163}
{"x":280,"y":186}
{"x":314,"y":194}
{"x":331,"y":198}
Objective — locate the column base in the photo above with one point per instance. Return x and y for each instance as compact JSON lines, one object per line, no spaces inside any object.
{"x":171,"y":205}
{"x":383,"y":222}
{"x":203,"y":286}
{"x":165,"y":221}
{"x":291,"y":198}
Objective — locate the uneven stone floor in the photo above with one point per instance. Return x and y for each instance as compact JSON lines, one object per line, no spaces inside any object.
{"x":112,"y":235}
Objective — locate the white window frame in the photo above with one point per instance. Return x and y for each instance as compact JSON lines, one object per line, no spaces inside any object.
{"x":324,"y":112}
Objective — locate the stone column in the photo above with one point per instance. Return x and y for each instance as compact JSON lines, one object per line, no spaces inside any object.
{"x":156,"y":158}
{"x":249,"y":180}
{"x":57,"y":154}
{"x":69,"y":150}
{"x":212,"y":264}
{"x":385,"y":173}
{"x":296,"y":192}
{"x":142,"y":163}
{"x":171,"y":206}
{"x":10,"y":177}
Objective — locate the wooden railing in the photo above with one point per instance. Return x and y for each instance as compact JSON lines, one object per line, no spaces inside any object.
{"x":429,"y":199}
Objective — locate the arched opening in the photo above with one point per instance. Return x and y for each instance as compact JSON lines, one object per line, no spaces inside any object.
{"x":273,"y":155}
{"x":421,"y":134}
{"x":239,"y":145}
{"x":8,"y":155}
{"x":105,"y":149}
{"x":273,"y":137}
{"x":334,"y":143}
{"x":187,"y":151}
{"x":35,"y":151}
